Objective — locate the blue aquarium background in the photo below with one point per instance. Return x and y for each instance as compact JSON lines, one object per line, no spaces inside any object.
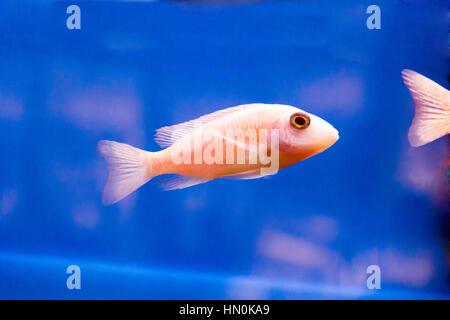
{"x":309,"y":232}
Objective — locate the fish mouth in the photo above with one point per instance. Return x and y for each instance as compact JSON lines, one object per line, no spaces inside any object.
{"x":329,"y":140}
{"x":334,"y":136}
{"x":337,"y":135}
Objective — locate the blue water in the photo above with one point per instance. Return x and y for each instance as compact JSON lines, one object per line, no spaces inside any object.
{"x":308,"y":232}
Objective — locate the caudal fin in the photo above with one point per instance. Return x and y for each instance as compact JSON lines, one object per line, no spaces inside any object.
{"x":432,"y":118}
{"x":129,"y":168}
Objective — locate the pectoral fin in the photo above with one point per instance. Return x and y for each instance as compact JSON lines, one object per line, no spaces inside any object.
{"x":180,"y":182}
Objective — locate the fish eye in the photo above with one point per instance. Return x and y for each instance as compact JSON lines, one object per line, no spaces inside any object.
{"x":300,"y":121}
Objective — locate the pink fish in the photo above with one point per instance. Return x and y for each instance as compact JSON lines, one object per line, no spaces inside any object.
{"x":244,"y":142}
{"x":432,"y":118}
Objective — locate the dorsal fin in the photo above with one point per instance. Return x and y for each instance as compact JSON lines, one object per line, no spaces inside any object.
{"x":166,"y":136}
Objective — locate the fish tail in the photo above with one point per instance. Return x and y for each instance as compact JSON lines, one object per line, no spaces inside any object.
{"x":128,"y":169}
{"x":432,"y":115}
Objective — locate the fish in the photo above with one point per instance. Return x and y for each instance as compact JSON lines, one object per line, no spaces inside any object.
{"x":248,"y":141}
{"x":432,"y":109}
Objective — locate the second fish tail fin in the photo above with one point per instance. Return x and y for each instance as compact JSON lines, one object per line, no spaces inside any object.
{"x":432,"y":114}
{"x":128,"y":169}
